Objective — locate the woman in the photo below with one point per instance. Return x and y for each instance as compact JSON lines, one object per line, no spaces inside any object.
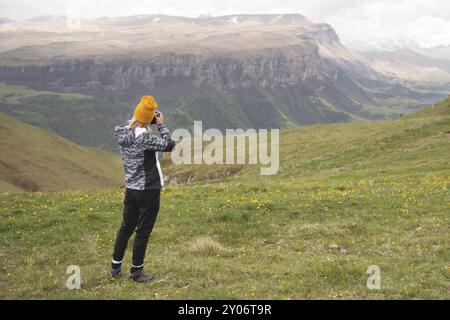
{"x":143,"y":181}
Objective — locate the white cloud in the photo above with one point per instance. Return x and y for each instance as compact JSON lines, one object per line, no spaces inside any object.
{"x":429,"y":31}
{"x":426,"y":22}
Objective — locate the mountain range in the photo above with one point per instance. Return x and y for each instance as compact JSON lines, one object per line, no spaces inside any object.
{"x":385,"y":44}
{"x":260,"y":71}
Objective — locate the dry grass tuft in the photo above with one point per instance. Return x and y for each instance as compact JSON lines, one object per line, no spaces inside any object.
{"x":207,"y":246}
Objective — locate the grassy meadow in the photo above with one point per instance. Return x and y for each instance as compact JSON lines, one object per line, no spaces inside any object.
{"x":347,"y":196}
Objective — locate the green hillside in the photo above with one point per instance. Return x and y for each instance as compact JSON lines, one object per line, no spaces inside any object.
{"x":32,"y":159}
{"x":83,"y":119}
{"x":439,"y":109}
{"x":348,"y":196}
{"x":410,"y":146}
{"x":87,"y":119}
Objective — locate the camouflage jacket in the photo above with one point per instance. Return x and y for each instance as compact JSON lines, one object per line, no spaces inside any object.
{"x":138,"y":149}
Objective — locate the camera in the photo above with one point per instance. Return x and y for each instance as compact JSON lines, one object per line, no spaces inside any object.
{"x":157,"y":114}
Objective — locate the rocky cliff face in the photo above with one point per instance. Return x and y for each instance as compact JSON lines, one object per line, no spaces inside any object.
{"x":229,"y":52}
{"x":266,"y":69}
{"x":321,"y":33}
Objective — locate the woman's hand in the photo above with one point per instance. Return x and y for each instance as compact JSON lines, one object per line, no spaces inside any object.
{"x":159,"y":118}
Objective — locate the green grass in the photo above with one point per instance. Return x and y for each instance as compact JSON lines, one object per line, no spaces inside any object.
{"x":438,"y":109}
{"x":15,"y":94}
{"x":348,"y":196}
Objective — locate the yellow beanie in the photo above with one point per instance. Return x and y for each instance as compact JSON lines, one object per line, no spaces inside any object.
{"x":145,"y":110}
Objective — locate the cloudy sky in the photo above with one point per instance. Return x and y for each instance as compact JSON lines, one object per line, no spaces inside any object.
{"x":424,"y":21}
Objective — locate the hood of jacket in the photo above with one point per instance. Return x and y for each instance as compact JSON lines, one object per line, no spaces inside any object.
{"x":125,"y":136}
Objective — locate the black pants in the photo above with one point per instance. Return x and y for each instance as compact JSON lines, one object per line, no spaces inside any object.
{"x":139,"y":214}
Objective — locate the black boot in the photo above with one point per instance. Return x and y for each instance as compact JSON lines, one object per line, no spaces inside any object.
{"x":139,"y":276}
{"x":115,"y":273}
